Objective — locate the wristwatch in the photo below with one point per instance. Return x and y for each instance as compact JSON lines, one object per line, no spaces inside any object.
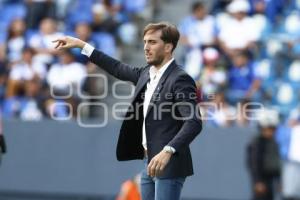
{"x":169,"y":149}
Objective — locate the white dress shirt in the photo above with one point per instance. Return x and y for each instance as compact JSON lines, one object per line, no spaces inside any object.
{"x":155,"y":75}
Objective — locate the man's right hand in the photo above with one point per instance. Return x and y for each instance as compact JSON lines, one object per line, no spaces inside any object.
{"x":260,"y":188}
{"x":67,"y":42}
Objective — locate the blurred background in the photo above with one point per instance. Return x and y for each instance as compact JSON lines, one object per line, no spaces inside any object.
{"x":244,"y":56}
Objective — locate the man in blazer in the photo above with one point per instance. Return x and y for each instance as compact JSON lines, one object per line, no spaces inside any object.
{"x":163,"y":119}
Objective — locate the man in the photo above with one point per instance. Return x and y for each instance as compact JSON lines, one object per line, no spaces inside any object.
{"x":264,"y":159}
{"x":164,"y":118}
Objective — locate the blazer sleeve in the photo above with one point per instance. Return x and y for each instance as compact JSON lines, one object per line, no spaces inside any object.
{"x":115,"y":67}
{"x":186,"y":105}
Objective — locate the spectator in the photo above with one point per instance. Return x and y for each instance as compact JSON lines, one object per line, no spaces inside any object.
{"x":220,"y":113}
{"x":220,"y":5}
{"x":239,"y":25}
{"x":273,"y":9}
{"x":16,"y":41}
{"x":263,"y":158}
{"x":23,"y":96}
{"x":37,"y":10}
{"x":103,"y":21}
{"x":261,"y":25}
{"x":23,"y":72}
{"x":33,"y":102}
{"x":66,"y":73}
{"x":58,"y":109}
{"x":258,"y":6}
{"x":197,"y":31}
{"x":292,"y":33}
{"x":243,"y":83}
{"x":62,"y":8}
{"x":83,"y":31}
{"x":66,"y":78}
{"x":212,"y":76}
{"x":289,"y":143}
{"x":42,"y":41}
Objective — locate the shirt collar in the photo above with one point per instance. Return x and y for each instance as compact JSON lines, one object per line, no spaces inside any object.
{"x":153,"y":71}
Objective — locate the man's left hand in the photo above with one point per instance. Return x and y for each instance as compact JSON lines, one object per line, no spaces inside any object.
{"x":158,"y":163}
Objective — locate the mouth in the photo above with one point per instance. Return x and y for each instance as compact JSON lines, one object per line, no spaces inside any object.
{"x":148,"y":55}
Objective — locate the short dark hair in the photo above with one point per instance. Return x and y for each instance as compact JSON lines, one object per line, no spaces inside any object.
{"x":169,"y":32}
{"x":197,"y":5}
{"x":28,"y":49}
{"x":243,"y":53}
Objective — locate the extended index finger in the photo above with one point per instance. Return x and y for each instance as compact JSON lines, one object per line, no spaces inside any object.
{"x":58,"y":44}
{"x":58,"y":40}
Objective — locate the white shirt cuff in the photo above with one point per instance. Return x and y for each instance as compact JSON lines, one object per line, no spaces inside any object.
{"x":168,"y":148}
{"x":172,"y":149}
{"x":87,"y":50}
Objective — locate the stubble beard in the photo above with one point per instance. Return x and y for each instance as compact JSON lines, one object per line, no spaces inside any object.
{"x":157,"y":61}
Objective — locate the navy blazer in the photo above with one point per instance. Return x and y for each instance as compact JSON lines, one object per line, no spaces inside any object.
{"x":175,"y":93}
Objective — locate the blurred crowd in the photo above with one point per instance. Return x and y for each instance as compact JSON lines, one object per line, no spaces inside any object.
{"x":243,"y":54}
{"x":37,"y":81}
{"x":244,"y":57}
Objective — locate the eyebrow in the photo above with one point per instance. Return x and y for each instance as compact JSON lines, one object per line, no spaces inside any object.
{"x":150,"y":40}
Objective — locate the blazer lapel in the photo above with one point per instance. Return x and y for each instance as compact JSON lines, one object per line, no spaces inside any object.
{"x":141,"y":83}
{"x":160,"y":85}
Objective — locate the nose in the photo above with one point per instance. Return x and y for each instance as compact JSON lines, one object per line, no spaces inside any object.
{"x":146,"y":47}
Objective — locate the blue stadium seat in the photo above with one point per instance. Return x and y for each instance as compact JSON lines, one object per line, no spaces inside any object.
{"x":105,"y":42}
{"x":293,"y":74}
{"x":134,"y":6}
{"x":81,"y":11}
{"x":10,"y":12}
{"x":264,"y":69}
{"x":285,"y":97}
{"x":3,"y":34}
{"x":30,"y":33}
{"x":13,"y":11}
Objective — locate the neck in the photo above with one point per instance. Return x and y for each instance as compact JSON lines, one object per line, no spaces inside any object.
{"x":165,"y":60}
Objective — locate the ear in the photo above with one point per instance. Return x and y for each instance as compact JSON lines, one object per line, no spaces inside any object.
{"x":168,"y":47}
